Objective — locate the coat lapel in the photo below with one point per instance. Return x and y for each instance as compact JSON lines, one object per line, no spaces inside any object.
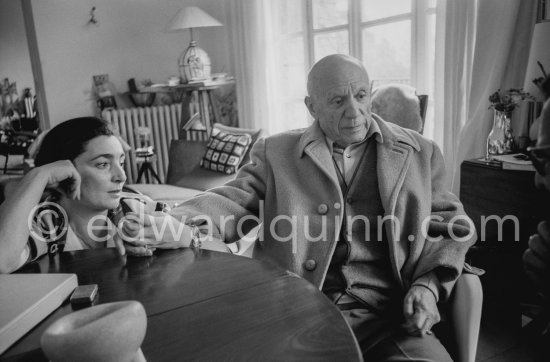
{"x":394,"y":156}
{"x":313,"y":143}
{"x":390,"y":179}
{"x":393,"y":160}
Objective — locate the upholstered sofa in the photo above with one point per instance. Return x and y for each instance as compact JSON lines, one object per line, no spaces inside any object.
{"x":185,"y":177}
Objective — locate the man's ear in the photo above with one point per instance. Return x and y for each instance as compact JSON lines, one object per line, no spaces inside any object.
{"x":309,"y":104}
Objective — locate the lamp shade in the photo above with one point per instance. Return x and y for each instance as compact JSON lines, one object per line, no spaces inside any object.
{"x":191,"y":17}
{"x":540,"y":52}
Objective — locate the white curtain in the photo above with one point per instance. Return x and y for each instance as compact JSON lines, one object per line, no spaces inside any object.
{"x":251,"y":37}
{"x":481,"y":46}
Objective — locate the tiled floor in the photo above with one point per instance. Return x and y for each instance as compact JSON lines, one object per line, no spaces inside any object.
{"x":505,"y":293}
{"x":499,"y":342}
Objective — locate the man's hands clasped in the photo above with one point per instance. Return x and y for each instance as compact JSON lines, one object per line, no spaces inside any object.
{"x":420,"y":311}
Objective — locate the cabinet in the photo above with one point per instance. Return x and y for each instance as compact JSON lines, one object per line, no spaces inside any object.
{"x":488,"y":190}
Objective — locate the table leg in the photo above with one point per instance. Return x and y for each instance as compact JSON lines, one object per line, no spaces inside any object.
{"x":215,"y":106}
{"x":147,"y":171}
{"x":151,"y":170}
{"x":141,"y":171}
{"x":186,"y":112}
{"x":6,"y":163}
{"x":205,"y":114}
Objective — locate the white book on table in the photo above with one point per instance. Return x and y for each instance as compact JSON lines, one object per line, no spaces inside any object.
{"x":26,"y":299}
{"x":515,"y":161}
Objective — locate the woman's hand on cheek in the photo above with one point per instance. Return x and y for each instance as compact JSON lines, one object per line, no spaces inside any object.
{"x":63,"y":176}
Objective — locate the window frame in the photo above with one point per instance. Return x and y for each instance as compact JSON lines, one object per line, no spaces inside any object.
{"x":420,"y":9}
{"x":422,"y":56}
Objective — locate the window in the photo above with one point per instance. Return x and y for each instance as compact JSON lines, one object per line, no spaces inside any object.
{"x":394,"y":38}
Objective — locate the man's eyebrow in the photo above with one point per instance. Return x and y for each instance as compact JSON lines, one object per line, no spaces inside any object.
{"x":335,"y":93}
{"x":341,"y":88}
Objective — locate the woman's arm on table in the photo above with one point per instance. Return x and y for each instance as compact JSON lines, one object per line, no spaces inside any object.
{"x":16,"y":209}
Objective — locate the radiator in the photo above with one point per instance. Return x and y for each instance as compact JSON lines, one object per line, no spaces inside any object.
{"x":163,"y":121}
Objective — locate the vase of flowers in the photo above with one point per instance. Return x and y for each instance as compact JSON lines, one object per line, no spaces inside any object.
{"x":501,"y":138}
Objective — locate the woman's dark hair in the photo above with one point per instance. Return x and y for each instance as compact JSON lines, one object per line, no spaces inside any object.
{"x":67,"y":140}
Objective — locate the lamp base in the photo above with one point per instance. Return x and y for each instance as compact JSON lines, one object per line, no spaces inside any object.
{"x":194,"y":64}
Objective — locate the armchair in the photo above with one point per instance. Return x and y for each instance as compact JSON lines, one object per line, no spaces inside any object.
{"x":466,"y":304}
{"x":401,"y":105}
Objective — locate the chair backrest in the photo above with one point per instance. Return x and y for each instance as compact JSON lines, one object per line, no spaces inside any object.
{"x":399,"y":104}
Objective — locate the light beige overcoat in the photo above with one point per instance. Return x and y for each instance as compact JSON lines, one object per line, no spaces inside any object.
{"x":292,"y":186}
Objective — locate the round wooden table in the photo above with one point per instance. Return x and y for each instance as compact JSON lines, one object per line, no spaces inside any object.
{"x":205,"y":305}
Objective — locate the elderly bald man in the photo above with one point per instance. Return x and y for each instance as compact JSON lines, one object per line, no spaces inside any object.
{"x":348,"y":204}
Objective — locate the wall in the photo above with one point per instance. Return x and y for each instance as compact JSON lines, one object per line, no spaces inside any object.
{"x":14,"y":54}
{"x":128,"y":42}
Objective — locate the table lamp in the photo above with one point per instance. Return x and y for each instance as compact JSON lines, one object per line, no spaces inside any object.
{"x":538,"y":64}
{"x":194,"y":63}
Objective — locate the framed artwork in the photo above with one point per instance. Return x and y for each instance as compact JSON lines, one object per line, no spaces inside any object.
{"x":106,"y":102}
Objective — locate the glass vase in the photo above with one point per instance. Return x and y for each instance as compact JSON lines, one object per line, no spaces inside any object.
{"x":501,"y":139}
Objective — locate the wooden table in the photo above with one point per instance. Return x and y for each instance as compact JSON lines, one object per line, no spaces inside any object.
{"x":206,"y":305}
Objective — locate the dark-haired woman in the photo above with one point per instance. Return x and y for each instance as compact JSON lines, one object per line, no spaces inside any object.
{"x":70,"y":201}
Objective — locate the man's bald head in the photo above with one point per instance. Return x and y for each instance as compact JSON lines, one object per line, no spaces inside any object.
{"x":334,"y":70}
{"x":339,"y":98}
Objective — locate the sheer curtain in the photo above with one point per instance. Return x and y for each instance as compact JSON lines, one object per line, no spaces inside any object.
{"x":251,"y":34}
{"x":481,"y":46}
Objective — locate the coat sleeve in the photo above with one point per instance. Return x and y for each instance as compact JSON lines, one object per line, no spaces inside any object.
{"x":450,"y":233}
{"x":232,"y":210}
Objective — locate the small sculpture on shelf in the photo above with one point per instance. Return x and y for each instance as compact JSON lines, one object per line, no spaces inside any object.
{"x":104,"y":91}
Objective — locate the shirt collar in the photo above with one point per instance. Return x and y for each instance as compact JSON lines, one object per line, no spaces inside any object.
{"x":374,"y":131}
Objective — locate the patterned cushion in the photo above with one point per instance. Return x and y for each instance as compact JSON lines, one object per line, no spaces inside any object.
{"x":225,"y":151}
